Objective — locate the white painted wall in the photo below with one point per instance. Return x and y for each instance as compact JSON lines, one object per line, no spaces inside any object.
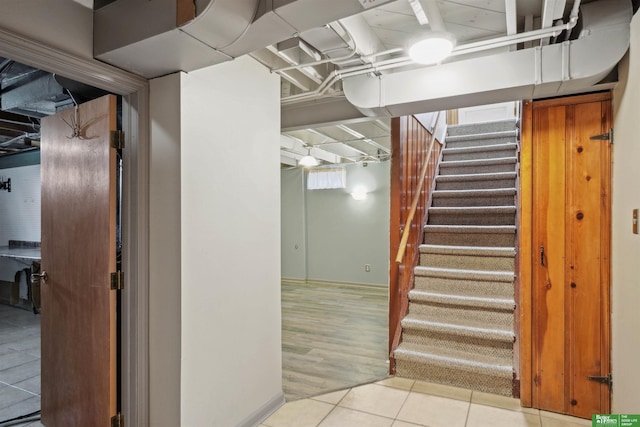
{"x":230,"y":162}
{"x":294,"y":239}
{"x":626,"y":246}
{"x":341,"y":234}
{"x":164,"y":252}
{"x":19,"y":213}
{"x":487,"y":113}
{"x":61,"y":24}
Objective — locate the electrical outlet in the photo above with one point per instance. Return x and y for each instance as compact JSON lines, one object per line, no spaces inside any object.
{"x":367,"y":268}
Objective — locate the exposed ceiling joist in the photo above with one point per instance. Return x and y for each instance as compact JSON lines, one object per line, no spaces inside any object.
{"x":551,"y":11}
{"x":511,"y":16}
{"x":296,"y":148}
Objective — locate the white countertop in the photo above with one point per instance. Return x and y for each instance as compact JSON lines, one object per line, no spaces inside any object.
{"x":32,"y":254}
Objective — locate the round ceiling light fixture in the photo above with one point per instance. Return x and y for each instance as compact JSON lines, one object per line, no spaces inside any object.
{"x":432,"y":49}
{"x":308,"y":161}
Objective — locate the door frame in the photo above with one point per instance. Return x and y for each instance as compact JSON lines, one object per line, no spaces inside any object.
{"x":525,"y":230}
{"x":135,"y":215}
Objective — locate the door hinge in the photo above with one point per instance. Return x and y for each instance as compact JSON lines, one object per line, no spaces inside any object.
{"x":117,"y":281}
{"x":117,"y":420}
{"x":604,"y":136}
{"x":608,"y":380}
{"x":117,"y":139}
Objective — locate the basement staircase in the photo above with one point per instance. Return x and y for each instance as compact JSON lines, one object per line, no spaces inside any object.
{"x":459,"y":329}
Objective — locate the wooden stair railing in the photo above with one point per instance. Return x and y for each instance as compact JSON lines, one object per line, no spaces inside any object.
{"x":415,"y":159}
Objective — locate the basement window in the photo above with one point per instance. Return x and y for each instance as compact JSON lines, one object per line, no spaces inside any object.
{"x":324,"y":179}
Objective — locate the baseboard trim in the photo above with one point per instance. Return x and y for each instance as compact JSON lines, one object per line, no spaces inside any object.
{"x":332,"y":283}
{"x":292,"y":281}
{"x":264,"y":412}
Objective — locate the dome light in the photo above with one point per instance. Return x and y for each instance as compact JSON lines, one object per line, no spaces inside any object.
{"x":432,"y":49}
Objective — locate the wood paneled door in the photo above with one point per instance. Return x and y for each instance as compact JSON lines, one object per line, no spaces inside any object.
{"x":570,"y":254}
{"x":79,"y":341}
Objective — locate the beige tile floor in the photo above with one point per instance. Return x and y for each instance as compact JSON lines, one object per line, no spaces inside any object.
{"x":399,"y":402}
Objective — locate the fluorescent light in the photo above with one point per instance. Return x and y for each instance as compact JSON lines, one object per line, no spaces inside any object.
{"x":419,"y":12}
{"x":432,"y":50}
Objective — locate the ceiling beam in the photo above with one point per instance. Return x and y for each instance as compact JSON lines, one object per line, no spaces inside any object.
{"x":363,"y":138}
{"x":511,"y":17}
{"x":551,"y":10}
{"x":294,"y":147}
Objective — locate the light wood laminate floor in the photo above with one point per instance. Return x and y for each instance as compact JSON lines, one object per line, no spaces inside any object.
{"x":333,"y":337}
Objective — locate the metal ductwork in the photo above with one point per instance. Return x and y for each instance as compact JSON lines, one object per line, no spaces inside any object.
{"x":551,"y":70}
{"x":145,"y":37}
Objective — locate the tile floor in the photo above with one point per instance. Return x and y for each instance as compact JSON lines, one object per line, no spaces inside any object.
{"x":19,"y":363}
{"x":399,"y":402}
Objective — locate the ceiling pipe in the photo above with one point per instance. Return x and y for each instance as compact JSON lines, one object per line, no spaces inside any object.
{"x":404,"y":61}
{"x":550,"y":70}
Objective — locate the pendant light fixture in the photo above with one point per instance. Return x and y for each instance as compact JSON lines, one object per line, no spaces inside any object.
{"x":308,"y":161}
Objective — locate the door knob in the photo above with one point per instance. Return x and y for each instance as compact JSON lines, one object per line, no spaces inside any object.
{"x":41,"y":276}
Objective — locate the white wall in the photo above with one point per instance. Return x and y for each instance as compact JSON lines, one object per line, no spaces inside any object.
{"x":230,"y":161}
{"x":341,"y":234}
{"x":19,"y":213}
{"x":62,"y":24}
{"x":626,"y":246}
{"x":164,"y":252}
{"x":294,"y":238}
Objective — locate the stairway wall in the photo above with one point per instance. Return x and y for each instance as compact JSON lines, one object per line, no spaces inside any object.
{"x":460,"y":327}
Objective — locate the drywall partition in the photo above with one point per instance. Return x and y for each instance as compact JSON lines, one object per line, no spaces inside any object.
{"x":344,"y":235}
{"x":625,"y":244}
{"x":164,"y":252}
{"x":294,"y":239}
{"x":230,"y":222}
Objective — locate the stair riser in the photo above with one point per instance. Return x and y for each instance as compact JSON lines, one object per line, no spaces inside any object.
{"x":476,"y":155}
{"x":471,"y":239}
{"x":478,"y":128}
{"x":473,"y":201}
{"x":485,"y":263}
{"x":458,"y":287}
{"x":442,"y":313}
{"x":471,"y":219}
{"x":454,"y":377}
{"x":501,"y":350}
{"x":485,"y":184}
{"x":473,"y":169}
{"x":465,"y":143}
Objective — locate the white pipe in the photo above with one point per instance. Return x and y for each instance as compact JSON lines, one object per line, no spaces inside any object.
{"x":434,"y":16}
{"x":405,"y":60}
{"x":551,"y":70}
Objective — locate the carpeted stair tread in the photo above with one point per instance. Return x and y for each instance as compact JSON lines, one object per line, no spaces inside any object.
{"x":478,"y":162}
{"x":420,"y":296}
{"x":508,"y":135}
{"x":484,"y":192}
{"x":471,"y":229}
{"x":476,"y":275}
{"x":476,"y":177}
{"x":417,"y":323}
{"x":452,"y":359}
{"x":480,"y":148}
{"x":472,"y":210}
{"x":484,"y":127}
{"x":468,"y":250}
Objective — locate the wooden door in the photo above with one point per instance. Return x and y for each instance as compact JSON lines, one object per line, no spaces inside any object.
{"x":571,"y":234}
{"x":79,"y":353}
